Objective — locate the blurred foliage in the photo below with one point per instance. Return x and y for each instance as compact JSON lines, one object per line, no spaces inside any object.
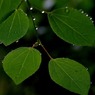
{"x":40,"y":83}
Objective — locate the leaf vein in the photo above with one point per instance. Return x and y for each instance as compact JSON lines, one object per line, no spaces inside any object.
{"x":11,"y":26}
{"x":70,"y":28}
{"x":68,"y":75}
{"x":23,"y":64}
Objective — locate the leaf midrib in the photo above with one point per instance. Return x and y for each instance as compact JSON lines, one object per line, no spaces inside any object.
{"x":19,"y":22}
{"x":22,"y":64}
{"x":17,"y":56}
{"x":70,"y":18}
{"x":69,"y":27}
{"x":9,"y":32}
{"x":68,"y":75}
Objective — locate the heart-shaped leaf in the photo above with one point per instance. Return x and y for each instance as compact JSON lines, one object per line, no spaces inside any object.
{"x":22,"y":63}
{"x":70,"y":75}
{"x":14,"y":27}
{"x":72,"y":26}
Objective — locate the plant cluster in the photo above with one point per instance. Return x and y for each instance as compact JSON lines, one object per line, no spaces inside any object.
{"x":69,"y":24}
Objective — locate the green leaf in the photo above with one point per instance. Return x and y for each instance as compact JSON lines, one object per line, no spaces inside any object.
{"x":14,"y":28}
{"x":70,"y":75}
{"x":72,"y":26}
{"x":22,"y":63}
{"x":7,"y":6}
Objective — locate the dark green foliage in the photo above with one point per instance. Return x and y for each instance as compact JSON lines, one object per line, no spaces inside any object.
{"x":70,"y":74}
{"x":22,"y":63}
{"x":14,"y":27}
{"x":69,"y":24}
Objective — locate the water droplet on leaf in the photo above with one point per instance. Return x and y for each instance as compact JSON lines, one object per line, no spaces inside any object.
{"x":87,"y":69}
{"x":43,"y":12}
{"x":34,"y":18}
{"x":82,"y":11}
{"x":86,"y":14}
{"x":92,"y":21}
{"x":17,"y":41}
{"x":67,"y":10}
{"x":31,"y":8}
{"x":90,"y":18}
{"x":36,"y":28}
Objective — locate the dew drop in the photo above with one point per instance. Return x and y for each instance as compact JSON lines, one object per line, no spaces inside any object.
{"x":86,"y":14}
{"x":67,"y":10}
{"x":82,"y":12}
{"x":87,"y":69}
{"x":17,"y":41}
{"x":36,"y":28}
{"x":34,"y":18}
{"x":43,"y":12}
{"x":90,"y":18}
{"x":39,"y":44}
{"x":92,"y":21}
{"x":31,"y":8}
